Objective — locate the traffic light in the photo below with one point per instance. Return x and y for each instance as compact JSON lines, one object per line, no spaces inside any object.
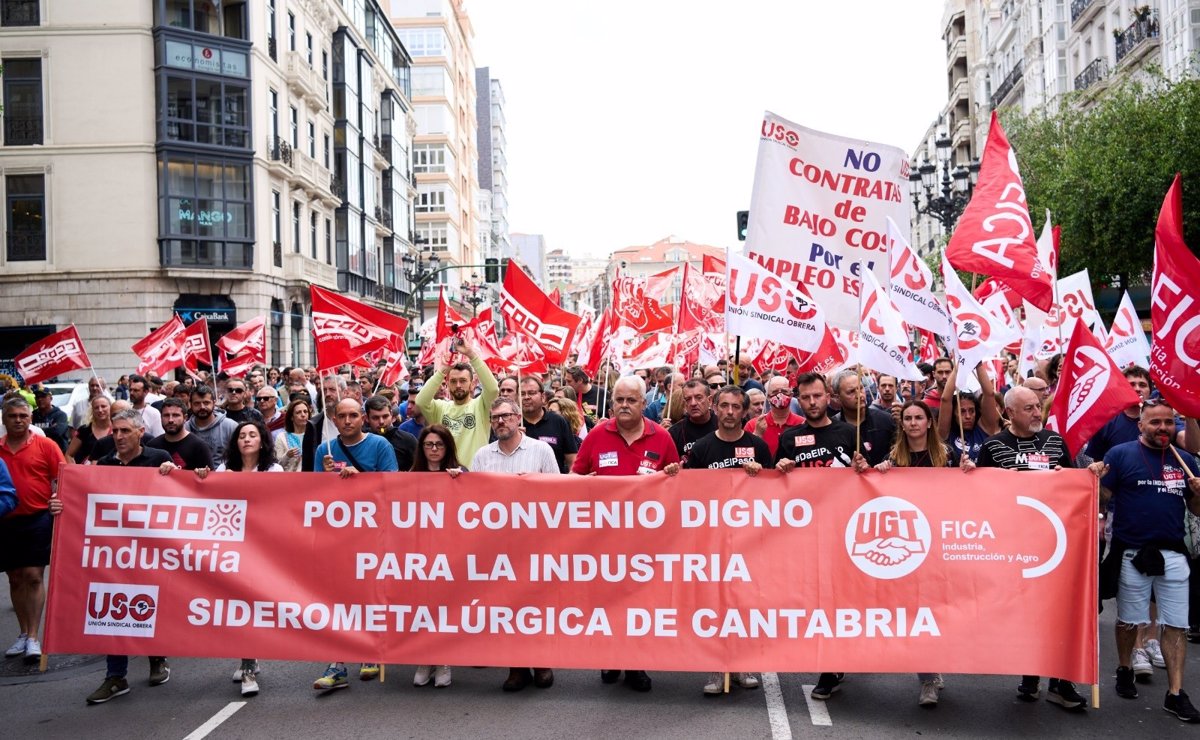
{"x":504,"y":268}
{"x":491,"y":270}
{"x":743,"y":224}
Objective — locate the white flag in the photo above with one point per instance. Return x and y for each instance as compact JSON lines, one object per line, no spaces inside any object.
{"x":759,"y":304}
{"x":883,"y":336}
{"x":978,"y":333}
{"x":911,"y":286}
{"x":1126,"y":342}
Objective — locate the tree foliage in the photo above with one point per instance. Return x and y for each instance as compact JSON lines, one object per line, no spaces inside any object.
{"x":1103,"y":171}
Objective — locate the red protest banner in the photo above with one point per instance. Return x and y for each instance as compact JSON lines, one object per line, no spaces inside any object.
{"x":815,"y":571}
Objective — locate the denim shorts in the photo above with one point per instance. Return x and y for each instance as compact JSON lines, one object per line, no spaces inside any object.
{"x":1170,"y":591}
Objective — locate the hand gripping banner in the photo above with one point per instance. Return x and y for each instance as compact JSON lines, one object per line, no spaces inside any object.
{"x":818,"y":570}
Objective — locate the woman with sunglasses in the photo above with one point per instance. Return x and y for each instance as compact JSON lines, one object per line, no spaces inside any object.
{"x":435,"y":453}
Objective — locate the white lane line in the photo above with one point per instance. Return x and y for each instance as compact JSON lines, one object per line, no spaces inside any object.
{"x":817,"y":711}
{"x":781,"y":729}
{"x":215,"y":721}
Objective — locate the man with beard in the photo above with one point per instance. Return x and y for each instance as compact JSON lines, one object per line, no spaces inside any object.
{"x":236,"y":400}
{"x":588,"y":395}
{"x":462,"y":415}
{"x":1149,"y":488}
{"x":209,"y":423}
{"x":627,"y":444}
{"x":547,"y":426}
{"x":942,"y":367}
{"x":772,"y":424}
{"x":1025,"y":445}
{"x":729,"y":446}
{"x":1124,"y":426}
{"x":518,"y":453}
{"x":333,"y":388}
{"x":697,"y":419}
{"x":875,"y":428}
{"x":185,"y":449}
{"x":887,"y":393}
{"x":380,"y":421}
{"x":139,"y":389}
{"x":980,"y":415}
{"x":507,"y":388}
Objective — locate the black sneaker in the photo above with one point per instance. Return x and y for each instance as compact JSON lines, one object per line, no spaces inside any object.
{"x":1063,"y":693}
{"x":1180,"y":706}
{"x":1030,"y":688}
{"x":160,"y":671}
{"x":1126,"y":688}
{"x":1193,"y":634}
{"x":637,"y":680}
{"x":827,"y":685}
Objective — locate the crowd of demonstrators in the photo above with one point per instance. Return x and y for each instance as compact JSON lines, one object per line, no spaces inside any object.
{"x":656,"y":420}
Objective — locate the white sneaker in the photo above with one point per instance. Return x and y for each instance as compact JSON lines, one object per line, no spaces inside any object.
{"x":422,"y":676}
{"x":33,"y":650}
{"x":929,"y":694}
{"x":715,"y":684}
{"x":1141,"y":663}
{"x":18,"y":647}
{"x":746,"y":680}
{"x":249,"y":684}
{"x":237,"y":675}
{"x":1154,"y":652}
{"x":441,"y":677}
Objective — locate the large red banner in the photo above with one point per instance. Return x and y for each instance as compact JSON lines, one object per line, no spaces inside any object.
{"x":819,"y":570}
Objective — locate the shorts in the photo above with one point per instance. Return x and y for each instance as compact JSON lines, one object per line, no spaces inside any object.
{"x":1170,"y":591}
{"x":25,"y":540}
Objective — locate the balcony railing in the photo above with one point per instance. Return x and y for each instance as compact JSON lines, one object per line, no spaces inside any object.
{"x":1079,"y":7}
{"x":206,"y":255}
{"x":22,"y":131}
{"x":279,"y":150}
{"x":1140,"y":30}
{"x":1010,"y":81}
{"x":1092,"y":74}
{"x":337,"y":187}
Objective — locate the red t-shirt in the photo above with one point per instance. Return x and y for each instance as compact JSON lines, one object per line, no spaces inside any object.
{"x":605,"y":452}
{"x":771,"y":434}
{"x":33,"y":468}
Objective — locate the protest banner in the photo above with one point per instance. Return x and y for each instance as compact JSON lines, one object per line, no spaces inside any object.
{"x":819,"y":206}
{"x":817,"y":570}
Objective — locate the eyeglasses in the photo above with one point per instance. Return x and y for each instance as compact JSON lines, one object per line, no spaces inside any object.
{"x":264,"y":398}
{"x":502,"y":417}
{"x":1152,"y":402}
{"x":434,"y":445}
{"x":715,"y":386}
{"x":235,"y":390}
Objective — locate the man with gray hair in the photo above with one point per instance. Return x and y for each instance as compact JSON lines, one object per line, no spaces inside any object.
{"x":875,"y":428}
{"x":517,"y":453}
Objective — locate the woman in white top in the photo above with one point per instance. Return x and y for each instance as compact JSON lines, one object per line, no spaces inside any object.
{"x":250,"y":450}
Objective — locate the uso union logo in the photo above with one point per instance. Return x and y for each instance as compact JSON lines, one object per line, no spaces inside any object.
{"x":122,"y":609}
{"x":888,"y":538}
{"x":121,"y":515}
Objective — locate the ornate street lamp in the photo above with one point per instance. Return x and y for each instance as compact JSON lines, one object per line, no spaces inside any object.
{"x":945,"y":196}
{"x":474,"y":293}
{"x":420,"y":270}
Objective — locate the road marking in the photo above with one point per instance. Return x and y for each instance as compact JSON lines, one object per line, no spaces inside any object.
{"x":817,"y":711}
{"x":781,"y":729}
{"x":215,"y":721}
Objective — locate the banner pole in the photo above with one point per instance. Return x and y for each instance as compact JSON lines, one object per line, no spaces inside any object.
{"x":862,"y":409}
{"x":737,"y":359}
{"x":1186,"y":470}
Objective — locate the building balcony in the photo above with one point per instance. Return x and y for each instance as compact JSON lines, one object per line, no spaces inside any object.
{"x":377,"y":159}
{"x":956,"y":50}
{"x":309,"y":174}
{"x":22,"y":130}
{"x":1095,"y":72}
{"x":1009,"y":83}
{"x":960,"y":90}
{"x":961,"y":133}
{"x":1138,"y":39}
{"x":306,"y":269}
{"x":337,"y":190}
{"x":383,"y":215}
{"x":188,"y":254}
{"x":1084,"y":10}
{"x":302,"y":79}
{"x":279,"y":156}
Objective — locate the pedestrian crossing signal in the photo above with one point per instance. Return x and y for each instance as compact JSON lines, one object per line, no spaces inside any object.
{"x":743,"y":224}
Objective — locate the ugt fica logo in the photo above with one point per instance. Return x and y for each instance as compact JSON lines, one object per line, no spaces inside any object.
{"x":121,"y":609}
{"x":887,"y":537}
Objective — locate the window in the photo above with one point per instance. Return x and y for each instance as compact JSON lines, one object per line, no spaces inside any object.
{"x":433,"y":202}
{"x":424,"y":42}
{"x":205,"y":111}
{"x":429,"y":158}
{"x":276,"y":218}
{"x":19,"y":13}
{"x":296,"y":208}
{"x":205,"y":212}
{"x":219,"y":19}
{"x":328,"y":242}
{"x":308,"y":41}
{"x":26,"y":221}
{"x":312,"y":141}
{"x":291,"y":31}
{"x":295,"y":127}
{"x":273,"y":113}
{"x":434,"y":237}
{"x":312,"y":233}
{"x":328,"y":147}
{"x":325,"y":73}
{"x":22,"y":102}
{"x":271,"y":28}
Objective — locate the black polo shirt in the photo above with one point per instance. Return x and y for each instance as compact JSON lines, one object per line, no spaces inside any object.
{"x":149,"y":458}
{"x":555,"y":431}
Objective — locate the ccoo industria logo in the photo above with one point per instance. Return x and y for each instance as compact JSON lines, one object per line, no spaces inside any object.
{"x":122,"y":515}
{"x":888,"y":537}
{"x":122,"y":609}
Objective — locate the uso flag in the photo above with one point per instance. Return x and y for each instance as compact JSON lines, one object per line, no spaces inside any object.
{"x":47,"y":358}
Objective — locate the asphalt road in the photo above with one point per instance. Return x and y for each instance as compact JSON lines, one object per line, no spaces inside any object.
{"x":200,"y":693}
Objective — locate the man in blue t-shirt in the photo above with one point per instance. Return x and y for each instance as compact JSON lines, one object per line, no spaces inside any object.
{"x":1149,"y":486}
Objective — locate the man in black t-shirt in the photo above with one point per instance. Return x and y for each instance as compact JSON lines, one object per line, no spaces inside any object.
{"x":1027,"y":446}
{"x":186,"y":451}
{"x":820,"y":442}
{"x":730,"y":446}
{"x":547,"y":426}
{"x":876,"y":430}
{"x":698,"y":420}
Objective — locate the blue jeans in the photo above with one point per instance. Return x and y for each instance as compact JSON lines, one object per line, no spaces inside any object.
{"x":118,"y":665}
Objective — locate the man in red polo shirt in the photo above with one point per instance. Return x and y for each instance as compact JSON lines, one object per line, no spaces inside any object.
{"x":627,"y":444}
{"x":33,"y":462}
{"x":779,"y":415}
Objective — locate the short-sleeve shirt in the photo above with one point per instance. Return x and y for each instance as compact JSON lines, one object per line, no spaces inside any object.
{"x":714,"y":453}
{"x":686,"y":433}
{"x":530,"y":456}
{"x":1042,"y":451}
{"x":147,"y":458}
{"x":32,"y":467}
{"x":829,"y":446}
{"x":1119,"y":430}
{"x":605,"y":452}
{"x":1149,"y":491}
{"x":771,"y":434}
{"x":555,"y":431}
{"x":971,"y":444}
{"x":188,"y":453}
{"x":373,"y":453}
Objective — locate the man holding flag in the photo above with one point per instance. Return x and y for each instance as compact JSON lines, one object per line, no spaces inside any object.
{"x":463,"y":415}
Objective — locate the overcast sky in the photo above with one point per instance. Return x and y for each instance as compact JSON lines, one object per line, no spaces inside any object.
{"x":629,"y":120}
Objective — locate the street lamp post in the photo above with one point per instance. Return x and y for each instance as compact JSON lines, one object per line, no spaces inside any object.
{"x":944,"y":200}
{"x":474,"y":293}
{"x":419,"y":270}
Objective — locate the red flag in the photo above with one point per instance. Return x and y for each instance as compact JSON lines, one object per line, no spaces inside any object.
{"x":995,"y":234}
{"x":599,"y":348}
{"x":991,"y":286}
{"x":522,"y":354}
{"x":830,"y":355}
{"x":775,"y":356}
{"x":161,"y":350}
{"x":396,"y":369}
{"x":345,"y":329}
{"x":714,"y":271}
{"x":697,"y":302}
{"x":52,"y":356}
{"x":528,"y":310}
{"x":1175,"y":310}
{"x":556,"y":297}
{"x":196,"y":347}
{"x":927,"y":350}
{"x":244,"y":347}
{"x":447,"y":317}
{"x":1091,"y":391}
{"x":637,"y":304}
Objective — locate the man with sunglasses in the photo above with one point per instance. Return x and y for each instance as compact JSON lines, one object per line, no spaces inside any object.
{"x":236,"y":400}
{"x":780,"y":416}
{"x":266,"y":402}
{"x":698,"y":420}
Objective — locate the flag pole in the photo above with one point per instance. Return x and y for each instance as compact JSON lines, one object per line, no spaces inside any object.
{"x":1186,"y":470}
{"x":737,"y":359}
